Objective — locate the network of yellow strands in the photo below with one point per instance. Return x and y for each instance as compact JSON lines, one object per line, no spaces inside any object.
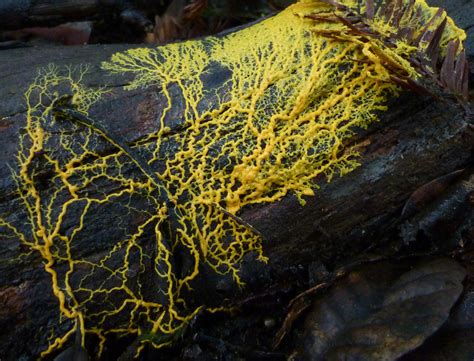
{"x":296,"y":87}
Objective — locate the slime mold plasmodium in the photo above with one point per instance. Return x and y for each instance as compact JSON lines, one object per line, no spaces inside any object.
{"x":294,"y":90}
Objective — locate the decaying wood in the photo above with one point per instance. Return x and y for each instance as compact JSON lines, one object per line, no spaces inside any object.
{"x":418,"y":140}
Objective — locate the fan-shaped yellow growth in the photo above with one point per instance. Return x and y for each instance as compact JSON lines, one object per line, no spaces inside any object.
{"x":289,"y":96}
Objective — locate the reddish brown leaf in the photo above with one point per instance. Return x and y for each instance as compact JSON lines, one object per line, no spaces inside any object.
{"x":194,"y":9}
{"x":465,"y":83}
{"x":408,"y":8}
{"x":447,"y":69}
{"x":426,"y":29}
{"x":459,"y":73}
{"x":299,"y":306}
{"x":406,"y":33}
{"x":329,"y":34}
{"x":390,"y":63}
{"x":369,"y":5}
{"x":317,"y":17}
{"x":167,"y":28}
{"x":398,"y":13}
{"x":409,"y":84}
{"x":401,"y":82}
{"x":346,"y":22}
{"x":388,"y":10}
{"x":428,"y":192}
{"x":433,"y":48}
{"x":416,"y":15}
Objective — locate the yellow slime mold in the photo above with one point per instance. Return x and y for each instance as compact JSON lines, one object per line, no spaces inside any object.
{"x":291,"y":96}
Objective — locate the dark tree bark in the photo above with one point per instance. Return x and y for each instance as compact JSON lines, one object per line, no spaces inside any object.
{"x":416,"y":141}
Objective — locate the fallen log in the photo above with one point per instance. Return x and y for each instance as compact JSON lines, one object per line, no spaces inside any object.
{"x":417,"y":140}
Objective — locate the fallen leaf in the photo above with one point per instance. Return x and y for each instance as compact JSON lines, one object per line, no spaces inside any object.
{"x":443,"y":220}
{"x":455,"y":340}
{"x":382,"y":311}
{"x":428,"y":192}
